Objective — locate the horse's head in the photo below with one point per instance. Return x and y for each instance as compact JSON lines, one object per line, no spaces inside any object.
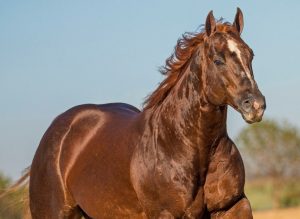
{"x":228,"y":65}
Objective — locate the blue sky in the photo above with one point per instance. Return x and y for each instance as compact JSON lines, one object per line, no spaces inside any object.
{"x":57,"y":54}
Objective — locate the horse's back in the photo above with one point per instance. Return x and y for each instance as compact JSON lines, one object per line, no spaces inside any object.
{"x":84,"y":157}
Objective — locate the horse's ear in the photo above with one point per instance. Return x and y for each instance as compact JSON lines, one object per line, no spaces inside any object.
{"x":210,"y":24}
{"x":239,"y":20}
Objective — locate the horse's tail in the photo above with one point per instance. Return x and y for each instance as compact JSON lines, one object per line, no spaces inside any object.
{"x":20,"y":184}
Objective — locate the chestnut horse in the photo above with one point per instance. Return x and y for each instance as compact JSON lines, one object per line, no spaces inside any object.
{"x":173,"y":159}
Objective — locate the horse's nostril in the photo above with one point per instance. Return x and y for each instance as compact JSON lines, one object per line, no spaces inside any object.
{"x":247,"y":104}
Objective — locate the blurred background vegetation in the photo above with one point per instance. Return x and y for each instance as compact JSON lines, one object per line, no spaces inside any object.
{"x":271,"y":154}
{"x":13,"y":205}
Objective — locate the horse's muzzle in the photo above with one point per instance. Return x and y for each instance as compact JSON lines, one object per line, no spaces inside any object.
{"x":252,"y":108}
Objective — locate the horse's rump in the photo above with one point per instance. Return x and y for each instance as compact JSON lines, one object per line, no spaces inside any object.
{"x":88,"y":146}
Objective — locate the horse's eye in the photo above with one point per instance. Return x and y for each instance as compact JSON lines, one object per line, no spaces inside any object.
{"x":218,"y":62}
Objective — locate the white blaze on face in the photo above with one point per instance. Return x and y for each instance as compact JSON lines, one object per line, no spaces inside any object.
{"x":232,"y":46}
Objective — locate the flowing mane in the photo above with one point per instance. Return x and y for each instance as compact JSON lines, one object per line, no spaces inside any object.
{"x":183,"y":51}
{"x":176,"y":63}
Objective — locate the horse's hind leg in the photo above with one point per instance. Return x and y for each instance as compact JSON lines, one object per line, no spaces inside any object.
{"x":49,"y":203}
{"x":55,"y":210}
{"x":48,"y":197}
{"x":241,"y":209}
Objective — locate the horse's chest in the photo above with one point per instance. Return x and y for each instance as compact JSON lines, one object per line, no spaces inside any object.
{"x":176,"y":182}
{"x":163,"y":182}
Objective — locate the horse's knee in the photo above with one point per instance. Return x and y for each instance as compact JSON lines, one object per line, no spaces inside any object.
{"x":165,"y":214}
{"x":241,"y":209}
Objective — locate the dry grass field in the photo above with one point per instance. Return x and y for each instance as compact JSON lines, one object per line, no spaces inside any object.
{"x":287,"y":213}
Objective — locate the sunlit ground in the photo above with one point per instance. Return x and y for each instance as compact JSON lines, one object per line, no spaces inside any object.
{"x":260,"y":195}
{"x":287,"y":213}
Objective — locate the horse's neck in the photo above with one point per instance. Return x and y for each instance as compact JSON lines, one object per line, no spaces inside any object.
{"x":186,"y":118}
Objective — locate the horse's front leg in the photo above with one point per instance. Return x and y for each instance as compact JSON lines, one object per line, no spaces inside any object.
{"x":241,"y":209}
{"x":224,"y":185}
{"x":197,"y":208}
{"x":165,"y":214}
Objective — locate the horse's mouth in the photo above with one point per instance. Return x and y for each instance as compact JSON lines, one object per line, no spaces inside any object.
{"x":253,"y":116}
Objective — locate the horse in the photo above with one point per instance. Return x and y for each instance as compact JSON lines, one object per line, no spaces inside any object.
{"x":172,"y":159}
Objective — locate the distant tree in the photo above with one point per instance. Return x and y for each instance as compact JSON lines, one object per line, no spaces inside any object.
{"x":11,"y":204}
{"x":271,"y":149}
